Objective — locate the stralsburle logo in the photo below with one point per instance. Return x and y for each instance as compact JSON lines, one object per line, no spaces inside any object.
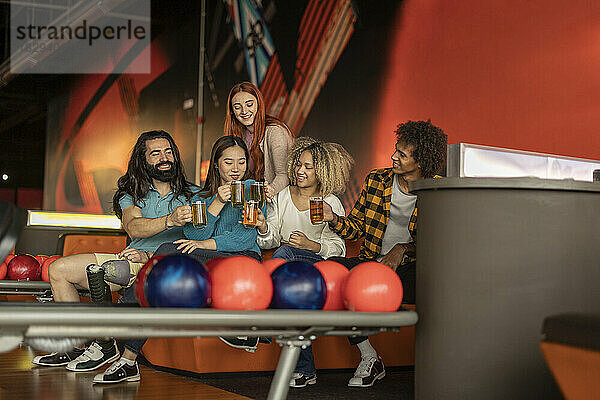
{"x":90,"y":33}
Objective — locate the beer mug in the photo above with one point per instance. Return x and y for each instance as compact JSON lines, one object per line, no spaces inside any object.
{"x":237,"y":194}
{"x":199,"y":218}
{"x":257,"y":193}
{"x":316,"y":210}
{"x":250,"y":218}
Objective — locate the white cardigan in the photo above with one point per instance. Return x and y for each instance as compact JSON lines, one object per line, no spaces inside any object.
{"x":283,"y":218}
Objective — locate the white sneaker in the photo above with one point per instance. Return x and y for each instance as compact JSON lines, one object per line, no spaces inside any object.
{"x":119,"y":372}
{"x":93,"y":358}
{"x":57,"y":359}
{"x":242,"y":342}
{"x":369,"y":371}
{"x":299,"y":380}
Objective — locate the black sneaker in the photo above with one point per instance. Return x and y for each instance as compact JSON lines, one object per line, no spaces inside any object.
{"x":242,"y":342}
{"x":300,"y":380}
{"x":368,"y":372}
{"x":57,"y":359}
{"x":119,"y":372}
{"x":94,"y":357}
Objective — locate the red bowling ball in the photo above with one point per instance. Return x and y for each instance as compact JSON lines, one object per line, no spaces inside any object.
{"x":41,"y":258}
{"x":24,"y":268}
{"x":373,"y":287}
{"x":210,"y":264}
{"x":46,"y":266}
{"x":2,"y":270}
{"x":335,"y":275}
{"x":272,"y":264}
{"x":241,"y":283}
{"x":138,"y":284}
{"x":4,"y":264}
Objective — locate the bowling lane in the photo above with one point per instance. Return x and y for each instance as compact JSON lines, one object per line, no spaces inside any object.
{"x":20,"y":379}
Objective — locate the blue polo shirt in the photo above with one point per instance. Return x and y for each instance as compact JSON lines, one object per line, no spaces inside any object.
{"x":154,"y":206}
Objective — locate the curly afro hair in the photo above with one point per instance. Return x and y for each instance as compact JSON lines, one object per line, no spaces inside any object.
{"x":429,"y":143}
{"x":331,"y":161}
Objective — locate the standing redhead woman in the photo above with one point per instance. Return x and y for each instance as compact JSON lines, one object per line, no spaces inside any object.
{"x":268,"y":139}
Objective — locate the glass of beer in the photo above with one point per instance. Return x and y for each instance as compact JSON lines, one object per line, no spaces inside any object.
{"x":250,"y":219}
{"x":316,"y":210}
{"x":199,"y":214}
{"x":257,"y":193}
{"x":237,"y":194}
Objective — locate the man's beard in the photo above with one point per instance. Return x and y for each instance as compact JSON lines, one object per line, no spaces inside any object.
{"x":161,"y":175}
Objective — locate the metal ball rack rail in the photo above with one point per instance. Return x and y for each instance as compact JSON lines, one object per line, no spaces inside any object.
{"x":292,"y":329}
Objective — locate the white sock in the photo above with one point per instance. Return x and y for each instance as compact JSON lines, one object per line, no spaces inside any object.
{"x":128,"y":361}
{"x":366,"y":350}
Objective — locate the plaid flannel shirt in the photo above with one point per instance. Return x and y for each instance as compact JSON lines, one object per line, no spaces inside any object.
{"x":370,"y":216}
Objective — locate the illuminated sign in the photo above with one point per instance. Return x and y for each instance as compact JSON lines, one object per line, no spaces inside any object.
{"x":72,"y":220}
{"x":476,"y":161}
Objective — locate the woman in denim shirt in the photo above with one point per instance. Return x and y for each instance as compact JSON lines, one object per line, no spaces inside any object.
{"x":223,"y":235}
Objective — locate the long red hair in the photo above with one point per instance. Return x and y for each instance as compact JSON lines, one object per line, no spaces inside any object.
{"x":235,"y":128}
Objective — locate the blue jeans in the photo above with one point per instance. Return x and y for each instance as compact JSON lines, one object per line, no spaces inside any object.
{"x":133,"y":345}
{"x":295,"y":254}
{"x":306,"y":361}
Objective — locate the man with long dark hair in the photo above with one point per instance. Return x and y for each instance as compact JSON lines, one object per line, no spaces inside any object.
{"x":152,"y":201}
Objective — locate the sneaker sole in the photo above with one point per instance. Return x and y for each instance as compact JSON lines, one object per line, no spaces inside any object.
{"x":308,"y":382}
{"x":129,"y":379}
{"x":42,"y":364}
{"x":377,"y":378}
{"x":235,"y":346}
{"x":113,"y":358}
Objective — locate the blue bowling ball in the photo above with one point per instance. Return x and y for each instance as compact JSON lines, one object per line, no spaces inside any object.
{"x":178,"y":281}
{"x":298,"y":285}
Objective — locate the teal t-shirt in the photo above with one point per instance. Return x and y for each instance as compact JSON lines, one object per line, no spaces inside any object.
{"x":227,"y":231}
{"x":153,"y":206}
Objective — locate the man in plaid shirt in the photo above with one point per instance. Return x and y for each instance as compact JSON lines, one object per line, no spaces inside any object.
{"x":385,"y":215}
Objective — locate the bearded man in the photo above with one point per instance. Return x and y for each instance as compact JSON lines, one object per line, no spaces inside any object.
{"x":152,"y":201}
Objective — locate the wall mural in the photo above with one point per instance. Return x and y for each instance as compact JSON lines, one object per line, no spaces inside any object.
{"x":343,"y":71}
{"x":93,"y":126}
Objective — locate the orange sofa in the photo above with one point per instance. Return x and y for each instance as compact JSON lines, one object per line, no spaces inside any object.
{"x":207,"y":355}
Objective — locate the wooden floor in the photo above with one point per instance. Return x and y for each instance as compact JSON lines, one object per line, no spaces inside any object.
{"x":20,"y":379}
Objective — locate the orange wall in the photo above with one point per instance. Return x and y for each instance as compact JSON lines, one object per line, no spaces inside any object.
{"x":515,"y":74}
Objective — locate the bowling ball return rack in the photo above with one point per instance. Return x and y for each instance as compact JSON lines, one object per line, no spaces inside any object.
{"x":38,"y":289}
{"x":292,"y":329}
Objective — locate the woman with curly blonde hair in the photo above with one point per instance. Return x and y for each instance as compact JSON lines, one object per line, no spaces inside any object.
{"x":318,"y":169}
{"x":314,"y":169}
